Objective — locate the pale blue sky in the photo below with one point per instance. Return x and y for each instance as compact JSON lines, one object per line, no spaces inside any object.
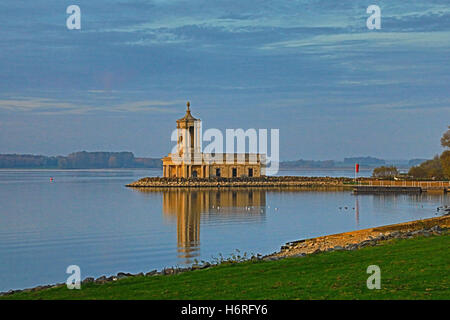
{"x":310,"y":68}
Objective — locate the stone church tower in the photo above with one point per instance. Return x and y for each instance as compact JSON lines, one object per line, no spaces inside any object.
{"x":189,"y":135}
{"x":190,"y":162}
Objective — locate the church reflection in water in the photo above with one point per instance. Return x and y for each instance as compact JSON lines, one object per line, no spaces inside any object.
{"x":190,"y":206}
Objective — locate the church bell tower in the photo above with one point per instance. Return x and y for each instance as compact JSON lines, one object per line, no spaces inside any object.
{"x":188,"y":135}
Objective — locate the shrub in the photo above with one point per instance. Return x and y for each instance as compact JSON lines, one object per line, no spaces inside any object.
{"x":385,"y":172}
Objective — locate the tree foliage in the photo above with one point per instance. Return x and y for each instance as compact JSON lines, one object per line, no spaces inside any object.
{"x":430,"y":169}
{"x":445,"y":140}
{"x":445,"y":162}
{"x":439,"y":167}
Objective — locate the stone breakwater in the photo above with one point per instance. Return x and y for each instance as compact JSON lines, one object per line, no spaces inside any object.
{"x":343,"y":241}
{"x":362,"y":238}
{"x":265,"y":181}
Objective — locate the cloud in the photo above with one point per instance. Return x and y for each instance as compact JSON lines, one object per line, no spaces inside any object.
{"x":408,"y":105}
{"x":157,"y":38}
{"x":46,"y":106}
{"x":179,"y":22}
{"x":373,"y":39}
{"x":41,"y":105}
{"x":147,"y":106}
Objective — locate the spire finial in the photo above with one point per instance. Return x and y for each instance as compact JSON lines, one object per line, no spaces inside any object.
{"x":188,"y":104}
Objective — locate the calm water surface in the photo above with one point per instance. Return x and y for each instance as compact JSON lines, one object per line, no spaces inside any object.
{"x":88,"y":218}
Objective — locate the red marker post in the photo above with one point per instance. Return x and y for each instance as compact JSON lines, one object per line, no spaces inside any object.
{"x":356,"y":171}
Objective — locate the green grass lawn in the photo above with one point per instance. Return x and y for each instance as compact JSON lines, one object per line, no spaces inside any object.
{"x":410,"y":269}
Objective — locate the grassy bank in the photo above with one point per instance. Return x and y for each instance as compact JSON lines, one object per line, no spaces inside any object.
{"x":415,"y":268}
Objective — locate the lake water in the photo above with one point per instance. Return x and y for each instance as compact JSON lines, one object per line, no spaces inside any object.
{"x":90,"y":219}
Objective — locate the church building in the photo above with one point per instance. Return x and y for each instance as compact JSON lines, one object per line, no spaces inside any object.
{"x":190,"y":162}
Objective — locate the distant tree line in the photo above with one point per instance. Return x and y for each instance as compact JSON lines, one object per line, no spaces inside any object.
{"x":79,"y":160}
{"x":347,"y":163}
{"x":364,"y":162}
{"x":308,"y":164}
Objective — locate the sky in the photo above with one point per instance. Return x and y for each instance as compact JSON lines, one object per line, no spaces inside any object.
{"x":310,"y":68}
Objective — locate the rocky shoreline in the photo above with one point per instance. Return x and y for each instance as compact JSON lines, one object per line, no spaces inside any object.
{"x":361,"y":238}
{"x":343,"y":241}
{"x":264,"y":181}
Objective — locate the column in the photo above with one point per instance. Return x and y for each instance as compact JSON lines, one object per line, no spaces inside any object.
{"x":198,"y":137}
{"x":185,"y":141}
